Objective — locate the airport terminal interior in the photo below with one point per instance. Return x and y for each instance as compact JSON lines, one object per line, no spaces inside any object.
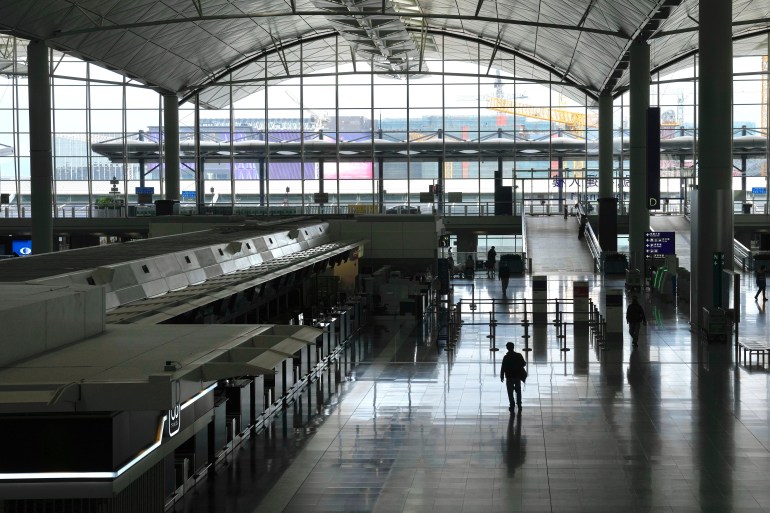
{"x":267,"y":257}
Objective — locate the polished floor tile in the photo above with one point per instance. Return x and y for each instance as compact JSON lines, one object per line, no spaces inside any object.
{"x":671,"y":426}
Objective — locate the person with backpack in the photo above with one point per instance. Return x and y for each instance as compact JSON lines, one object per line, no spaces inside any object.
{"x":761,"y":279}
{"x":513,"y":372}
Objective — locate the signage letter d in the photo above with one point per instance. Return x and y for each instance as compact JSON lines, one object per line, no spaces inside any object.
{"x":653,"y":202}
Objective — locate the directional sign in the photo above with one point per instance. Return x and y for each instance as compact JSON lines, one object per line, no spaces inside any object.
{"x":659,"y":243}
{"x":189,"y":195}
{"x":758,"y":190}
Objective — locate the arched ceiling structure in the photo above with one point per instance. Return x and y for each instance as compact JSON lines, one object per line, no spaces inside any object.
{"x":184,"y":46}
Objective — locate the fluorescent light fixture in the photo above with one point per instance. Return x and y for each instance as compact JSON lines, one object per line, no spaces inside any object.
{"x":200,"y":394}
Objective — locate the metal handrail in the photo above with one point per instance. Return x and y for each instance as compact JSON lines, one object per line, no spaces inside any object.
{"x":742,"y":256}
{"x":591,"y":240}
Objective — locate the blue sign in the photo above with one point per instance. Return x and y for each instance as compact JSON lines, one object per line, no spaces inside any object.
{"x":659,"y":243}
{"x":144,"y":190}
{"x":22,"y":247}
{"x":759,"y":190}
{"x":189,"y":195}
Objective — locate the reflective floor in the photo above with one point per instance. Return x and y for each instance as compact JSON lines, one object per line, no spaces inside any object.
{"x":673,"y":425}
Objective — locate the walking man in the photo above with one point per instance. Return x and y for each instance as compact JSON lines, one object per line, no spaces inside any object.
{"x":761,"y":283}
{"x":512,"y":371}
{"x":635,"y":317}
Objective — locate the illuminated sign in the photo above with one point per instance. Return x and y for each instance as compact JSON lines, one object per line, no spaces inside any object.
{"x":21,"y":247}
{"x":174,"y":420}
{"x":659,"y":243}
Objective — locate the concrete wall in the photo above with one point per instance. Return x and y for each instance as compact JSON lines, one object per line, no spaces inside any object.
{"x":39,"y":318}
{"x":409,"y":243}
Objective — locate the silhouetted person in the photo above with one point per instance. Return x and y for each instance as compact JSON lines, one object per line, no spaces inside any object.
{"x":469,"y":266}
{"x":504,"y":273}
{"x":491,"y":257}
{"x":635,"y":317}
{"x":761,"y":279}
{"x":513,"y":371}
{"x":582,"y":228}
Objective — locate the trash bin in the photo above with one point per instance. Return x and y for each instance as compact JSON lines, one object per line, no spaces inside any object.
{"x":166,"y":207}
{"x":747,"y":208}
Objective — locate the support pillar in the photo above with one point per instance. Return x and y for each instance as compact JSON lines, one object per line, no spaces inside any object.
{"x":639,"y":216}
{"x":262,"y":179}
{"x":41,"y":159}
{"x":712,"y":215}
{"x":142,"y":164}
{"x":767,"y":136}
{"x":440,"y":196}
{"x":608,"y":204}
{"x":560,"y":189}
{"x":381,"y":185}
{"x":171,"y":146}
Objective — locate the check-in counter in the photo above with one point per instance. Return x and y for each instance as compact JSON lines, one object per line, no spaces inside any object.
{"x":347,"y":329}
{"x":240,"y":407}
{"x":356,"y":313}
{"x":275,"y":384}
{"x":325,"y":347}
{"x":306,"y":357}
{"x":336,"y":340}
{"x":218,"y":427}
{"x":296,"y":344}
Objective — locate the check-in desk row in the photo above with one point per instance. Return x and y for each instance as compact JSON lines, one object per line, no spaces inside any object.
{"x":248,"y":402}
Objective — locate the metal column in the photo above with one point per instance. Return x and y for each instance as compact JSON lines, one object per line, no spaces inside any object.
{"x":171,"y":146}
{"x":639,"y":216}
{"x":41,"y":163}
{"x":608,"y":204}
{"x":712,"y":213}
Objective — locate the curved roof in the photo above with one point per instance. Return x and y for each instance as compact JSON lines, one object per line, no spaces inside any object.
{"x":184,"y":45}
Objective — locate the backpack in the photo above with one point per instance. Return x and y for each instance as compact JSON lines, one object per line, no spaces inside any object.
{"x":522,"y":368}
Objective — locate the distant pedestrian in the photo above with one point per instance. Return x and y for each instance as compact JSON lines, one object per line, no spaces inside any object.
{"x":491,"y":257}
{"x":513,"y":372}
{"x":470,"y":267}
{"x":761,"y":279}
{"x":504,"y":272}
{"x":635,"y":317}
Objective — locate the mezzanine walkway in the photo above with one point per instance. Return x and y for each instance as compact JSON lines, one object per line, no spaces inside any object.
{"x":554,"y":247}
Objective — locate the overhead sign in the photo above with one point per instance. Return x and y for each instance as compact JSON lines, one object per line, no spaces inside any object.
{"x":659,"y":243}
{"x":653,"y":158}
{"x":758,"y":190}
{"x":189,"y":195}
{"x":144,"y":190}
